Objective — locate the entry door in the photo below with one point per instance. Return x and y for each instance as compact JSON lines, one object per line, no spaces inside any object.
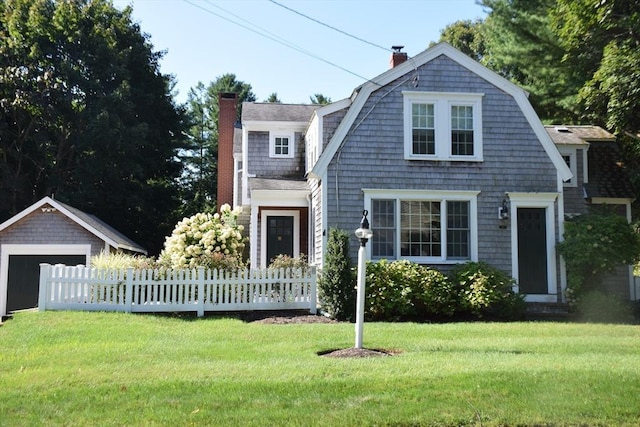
{"x":279,"y":236}
{"x":532,"y":251}
{"x":24,"y":277}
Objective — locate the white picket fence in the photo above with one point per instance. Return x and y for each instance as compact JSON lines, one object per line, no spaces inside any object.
{"x":200,"y":290}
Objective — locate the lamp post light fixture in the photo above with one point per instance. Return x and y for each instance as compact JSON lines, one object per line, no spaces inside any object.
{"x":364,"y":234}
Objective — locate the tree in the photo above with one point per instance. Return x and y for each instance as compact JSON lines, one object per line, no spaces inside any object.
{"x":273,"y":97}
{"x":86,"y":115}
{"x":199,"y":181}
{"x":320,"y":99}
{"x":467,"y":37}
{"x":602,"y":41}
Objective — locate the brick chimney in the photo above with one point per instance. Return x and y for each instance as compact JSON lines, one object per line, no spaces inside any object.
{"x":397,"y":57}
{"x":227,"y":106}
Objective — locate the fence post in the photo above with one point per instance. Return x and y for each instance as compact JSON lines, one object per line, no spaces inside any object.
{"x":45,"y":272}
{"x":200,"y":291}
{"x":128,"y":291}
{"x":313,"y":298}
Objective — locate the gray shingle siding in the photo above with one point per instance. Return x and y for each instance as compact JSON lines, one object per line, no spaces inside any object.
{"x":260,"y":164}
{"x":574,"y":202}
{"x":373,"y":156}
{"x":50,"y":229}
{"x":329,"y":123}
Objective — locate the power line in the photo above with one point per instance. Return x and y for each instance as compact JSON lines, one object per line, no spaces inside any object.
{"x":267,"y":34}
{"x":329,"y":26}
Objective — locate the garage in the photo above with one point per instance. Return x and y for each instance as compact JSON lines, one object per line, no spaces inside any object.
{"x":54,"y":233}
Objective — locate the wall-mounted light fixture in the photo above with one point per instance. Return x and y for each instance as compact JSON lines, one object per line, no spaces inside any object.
{"x":503,"y":211}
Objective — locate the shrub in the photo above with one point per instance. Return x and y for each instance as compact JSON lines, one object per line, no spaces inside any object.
{"x":336,"y":285}
{"x":285,"y":261}
{"x":596,"y":306}
{"x":435,"y":295}
{"x":121,"y":260}
{"x":486,"y":291}
{"x":389,"y":291}
{"x":594,"y":244}
{"x":211,"y":241}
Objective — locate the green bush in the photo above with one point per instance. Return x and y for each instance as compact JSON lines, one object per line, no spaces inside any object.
{"x":121,"y":261}
{"x":336,"y":285}
{"x":485,"y":291}
{"x":595,"y":244}
{"x":402,"y":290}
{"x":389,"y":290}
{"x":598,"y":307}
{"x":285,"y":261}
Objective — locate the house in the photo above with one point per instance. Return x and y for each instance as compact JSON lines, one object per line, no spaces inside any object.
{"x":49,"y":232}
{"x":449,"y":159}
{"x":599,"y":182}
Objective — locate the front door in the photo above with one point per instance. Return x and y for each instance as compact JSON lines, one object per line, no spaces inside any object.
{"x":532,"y":251}
{"x":279,"y":236}
{"x":23,"y":280}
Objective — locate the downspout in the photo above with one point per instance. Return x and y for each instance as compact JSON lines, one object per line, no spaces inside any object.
{"x":563,"y":267}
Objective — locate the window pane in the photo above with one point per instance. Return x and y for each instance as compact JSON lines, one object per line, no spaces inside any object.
{"x":281,"y":146}
{"x":383,"y":225}
{"x":423,"y":119}
{"x":462,"y":130}
{"x":420,"y":229}
{"x":458,"y":230}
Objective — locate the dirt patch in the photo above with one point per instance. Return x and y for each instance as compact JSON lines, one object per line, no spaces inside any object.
{"x":281,"y":318}
{"x":357,"y":352}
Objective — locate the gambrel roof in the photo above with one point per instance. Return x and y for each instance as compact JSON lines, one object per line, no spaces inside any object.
{"x":362,"y":93}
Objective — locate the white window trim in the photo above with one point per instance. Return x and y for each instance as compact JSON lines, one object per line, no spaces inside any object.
{"x":443,"y":101}
{"x":573,"y":165}
{"x":272,"y":144}
{"x":436,"y":196}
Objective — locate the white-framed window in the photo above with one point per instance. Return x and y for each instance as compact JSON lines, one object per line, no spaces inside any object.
{"x":570,"y":157}
{"x":442,"y":126}
{"x":281,"y":145}
{"x":423,"y":226}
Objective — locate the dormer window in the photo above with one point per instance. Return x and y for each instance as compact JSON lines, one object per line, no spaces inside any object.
{"x":442,"y":126}
{"x":281,"y":145}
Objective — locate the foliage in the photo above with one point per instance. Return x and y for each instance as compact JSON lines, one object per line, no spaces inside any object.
{"x":336,"y":285}
{"x":320,"y":99}
{"x":273,"y":98}
{"x":402,"y":290}
{"x":212,"y":241}
{"x":389,"y":291}
{"x":594,"y":244}
{"x":466,"y":36}
{"x":121,"y":260}
{"x":486,"y":291}
{"x":286,"y":262}
{"x":85,"y":114}
{"x":600,"y":307}
{"x":200,"y":156}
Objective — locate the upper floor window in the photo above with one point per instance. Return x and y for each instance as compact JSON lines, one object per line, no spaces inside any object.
{"x":442,"y":126}
{"x":281,"y":145}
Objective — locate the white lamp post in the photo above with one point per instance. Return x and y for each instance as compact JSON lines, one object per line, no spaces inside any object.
{"x":364,"y":234}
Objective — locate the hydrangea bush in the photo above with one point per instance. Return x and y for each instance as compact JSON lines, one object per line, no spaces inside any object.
{"x":211,"y":241}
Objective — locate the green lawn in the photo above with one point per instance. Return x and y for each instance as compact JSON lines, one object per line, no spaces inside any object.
{"x":63,"y":368}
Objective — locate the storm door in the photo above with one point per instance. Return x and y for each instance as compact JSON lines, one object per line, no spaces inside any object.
{"x":279,"y":236}
{"x":532,"y":251}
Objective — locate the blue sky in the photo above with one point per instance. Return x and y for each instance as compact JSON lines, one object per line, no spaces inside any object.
{"x":202,"y":43}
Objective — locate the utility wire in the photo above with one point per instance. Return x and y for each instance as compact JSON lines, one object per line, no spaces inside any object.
{"x":267,"y":34}
{"x":329,"y":26}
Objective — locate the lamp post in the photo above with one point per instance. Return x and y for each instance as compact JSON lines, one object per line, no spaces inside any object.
{"x":364,"y":234}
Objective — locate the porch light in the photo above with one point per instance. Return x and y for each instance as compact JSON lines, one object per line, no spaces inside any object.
{"x":503,"y":211}
{"x":364,"y":234}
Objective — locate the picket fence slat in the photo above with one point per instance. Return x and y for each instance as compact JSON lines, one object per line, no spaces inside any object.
{"x":85,"y":288}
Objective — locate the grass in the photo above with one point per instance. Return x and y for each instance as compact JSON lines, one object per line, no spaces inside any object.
{"x":78,"y":369}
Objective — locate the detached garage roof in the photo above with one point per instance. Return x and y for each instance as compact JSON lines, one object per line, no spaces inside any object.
{"x":87,"y":221}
